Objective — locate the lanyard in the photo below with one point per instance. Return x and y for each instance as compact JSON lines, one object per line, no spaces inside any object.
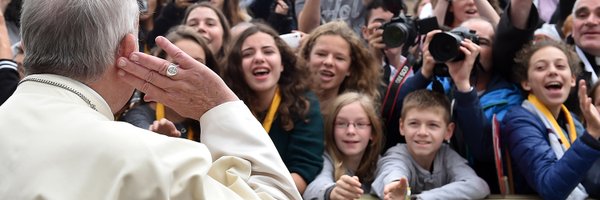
{"x":272,"y":110}
{"x":160,"y":111}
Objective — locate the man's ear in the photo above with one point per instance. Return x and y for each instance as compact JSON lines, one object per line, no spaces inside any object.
{"x":449,"y":131}
{"x":127,"y":45}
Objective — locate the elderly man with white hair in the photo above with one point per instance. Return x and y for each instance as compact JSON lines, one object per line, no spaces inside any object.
{"x":58,"y":139}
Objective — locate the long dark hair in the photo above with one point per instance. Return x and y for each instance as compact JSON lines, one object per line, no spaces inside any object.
{"x":293,"y":83}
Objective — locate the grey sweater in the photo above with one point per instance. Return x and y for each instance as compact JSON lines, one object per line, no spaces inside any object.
{"x":451,"y":178}
{"x":320,"y":188}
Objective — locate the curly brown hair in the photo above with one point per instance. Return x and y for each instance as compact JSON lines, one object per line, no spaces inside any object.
{"x":524,"y":55}
{"x":293,"y":83}
{"x":365,"y":73}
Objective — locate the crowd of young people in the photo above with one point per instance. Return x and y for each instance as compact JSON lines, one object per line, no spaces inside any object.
{"x":517,"y":111}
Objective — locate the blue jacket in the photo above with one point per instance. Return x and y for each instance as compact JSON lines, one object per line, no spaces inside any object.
{"x":534,"y":161}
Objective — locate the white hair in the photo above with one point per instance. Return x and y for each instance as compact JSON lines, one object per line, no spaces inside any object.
{"x":75,"y":38}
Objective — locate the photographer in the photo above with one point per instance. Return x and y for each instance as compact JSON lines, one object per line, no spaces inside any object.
{"x":392,"y":62}
{"x":476,"y":92}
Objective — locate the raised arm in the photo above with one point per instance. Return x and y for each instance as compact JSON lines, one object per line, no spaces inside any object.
{"x":487,"y":11}
{"x":439,"y":11}
{"x":309,"y":14}
{"x":229,"y":129}
{"x":516,"y":27}
{"x":519,"y":12}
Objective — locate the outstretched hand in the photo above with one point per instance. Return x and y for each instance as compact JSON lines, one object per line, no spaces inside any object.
{"x":396,"y":190}
{"x":192,"y":91}
{"x":346,"y":188}
{"x":590,"y":113}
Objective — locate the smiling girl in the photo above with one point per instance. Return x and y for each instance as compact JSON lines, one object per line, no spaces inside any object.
{"x":211,"y":23}
{"x":548,"y":146}
{"x":353,"y":140}
{"x":339,"y":62}
{"x":266,"y":74}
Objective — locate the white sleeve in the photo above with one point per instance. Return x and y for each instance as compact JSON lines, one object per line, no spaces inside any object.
{"x":230,"y":129}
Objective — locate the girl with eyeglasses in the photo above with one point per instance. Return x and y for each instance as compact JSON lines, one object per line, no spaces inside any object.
{"x":353,"y":140}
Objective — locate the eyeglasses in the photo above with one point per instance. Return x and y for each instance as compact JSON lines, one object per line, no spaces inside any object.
{"x":357,"y":125}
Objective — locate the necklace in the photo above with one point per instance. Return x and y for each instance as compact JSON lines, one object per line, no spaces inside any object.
{"x":63,"y":86}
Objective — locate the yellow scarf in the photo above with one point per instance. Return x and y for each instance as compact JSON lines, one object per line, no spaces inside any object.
{"x":272,"y":110}
{"x":559,"y":131}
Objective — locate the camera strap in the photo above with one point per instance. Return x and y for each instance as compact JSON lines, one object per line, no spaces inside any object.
{"x":394,"y":86}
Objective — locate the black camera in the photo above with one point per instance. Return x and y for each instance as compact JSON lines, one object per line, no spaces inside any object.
{"x":403,"y":29}
{"x":398,"y":31}
{"x":445,"y":46}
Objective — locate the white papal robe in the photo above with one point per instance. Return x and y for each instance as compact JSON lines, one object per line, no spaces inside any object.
{"x":53,"y":145}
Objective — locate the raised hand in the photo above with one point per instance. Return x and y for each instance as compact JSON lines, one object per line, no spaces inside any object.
{"x":191,"y":90}
{"x":590,"y":113}
{"x":346,"y":188}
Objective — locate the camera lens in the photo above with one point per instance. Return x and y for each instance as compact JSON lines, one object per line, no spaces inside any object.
{"x":394,"y":35}
{"x":445,"y":47}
